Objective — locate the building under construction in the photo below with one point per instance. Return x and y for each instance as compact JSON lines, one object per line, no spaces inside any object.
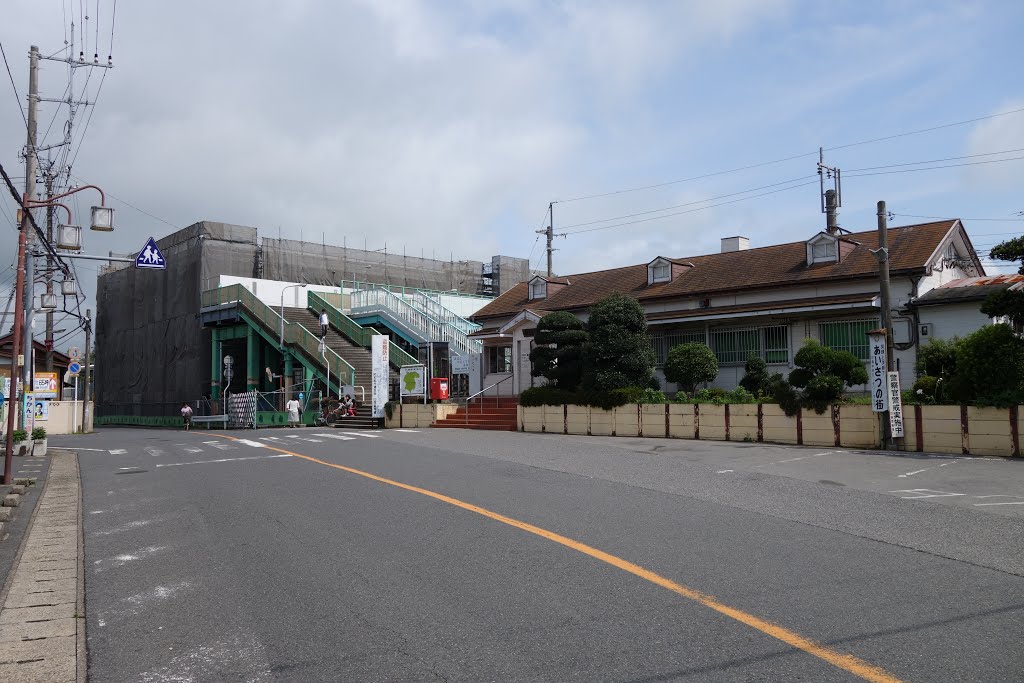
{"x":155,"y":351}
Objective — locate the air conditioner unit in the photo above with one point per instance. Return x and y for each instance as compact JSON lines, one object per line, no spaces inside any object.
{"x":925,"y":330}
{"x":705,"y":303}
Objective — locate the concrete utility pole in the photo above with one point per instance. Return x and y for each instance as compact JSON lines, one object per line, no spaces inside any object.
{"x":883,"y":288}
{"x":549,"y":232}
{"x":30,"y":191}
{"x":88,"y":371}
{"x":22,"y":272}
{"x":49,"y":272}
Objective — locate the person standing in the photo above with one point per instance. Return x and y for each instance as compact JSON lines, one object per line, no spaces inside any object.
{"x":186,"y":415}
{"x":293,"y":412}
{"x":324,"y":322}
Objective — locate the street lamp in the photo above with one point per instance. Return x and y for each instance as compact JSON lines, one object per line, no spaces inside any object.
{"x":282,"y":310}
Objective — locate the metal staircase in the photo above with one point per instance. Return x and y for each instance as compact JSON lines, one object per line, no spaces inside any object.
{"x":425,"y":318}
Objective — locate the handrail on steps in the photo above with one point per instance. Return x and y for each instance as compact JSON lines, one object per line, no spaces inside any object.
{"x":497,"y":396}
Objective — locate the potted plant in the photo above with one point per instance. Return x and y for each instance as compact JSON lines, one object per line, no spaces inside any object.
{"x":20,"y":436}
{"x":38,"y":441}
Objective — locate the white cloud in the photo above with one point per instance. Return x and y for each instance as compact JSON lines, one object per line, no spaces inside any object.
{"x":997,"y":135}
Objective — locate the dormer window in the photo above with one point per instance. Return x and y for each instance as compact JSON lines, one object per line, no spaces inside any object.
{"x":538,"y":289}
{"x":659,"y":270}
{"x":822,"y":248}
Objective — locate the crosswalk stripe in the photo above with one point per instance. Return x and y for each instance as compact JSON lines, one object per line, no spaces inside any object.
{"x":254,"y":444}
{"x":368,"y":436}
{"x":117,"y":451}
{"x":410,"y":431}
{"x":339,"y":437}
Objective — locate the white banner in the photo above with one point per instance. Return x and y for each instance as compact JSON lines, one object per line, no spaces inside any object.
{"x":876,"y":374}
{"x":379,"y":391}
{"x":895,"y":406}
{"x":413,"y":380}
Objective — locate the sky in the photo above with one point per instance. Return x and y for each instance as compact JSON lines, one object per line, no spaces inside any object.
{"x":449,"y":127}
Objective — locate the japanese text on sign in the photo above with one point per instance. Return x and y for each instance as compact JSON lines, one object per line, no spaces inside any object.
{"x":876,"y":381}
{"x":895,"y":406}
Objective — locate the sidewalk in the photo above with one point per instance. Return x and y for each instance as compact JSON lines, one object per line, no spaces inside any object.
{"x":42,"y":625}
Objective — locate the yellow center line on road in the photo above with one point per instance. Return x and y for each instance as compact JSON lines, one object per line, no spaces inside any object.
{"x":847,"y":662}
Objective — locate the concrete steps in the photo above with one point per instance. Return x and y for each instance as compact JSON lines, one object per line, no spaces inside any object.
{"x":500,"y":415}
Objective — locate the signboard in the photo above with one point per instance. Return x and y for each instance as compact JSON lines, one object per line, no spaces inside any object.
{"x":411,"y":380}
{"x":895,"y":406}
{"x":460,"y":364}
{"x":45,"y":385}
{"x":379,"y":391}
{"x":150,"y":256}
{"x":30,"y":413}
{"x":41,"y":412}
{"x":876,"y":374}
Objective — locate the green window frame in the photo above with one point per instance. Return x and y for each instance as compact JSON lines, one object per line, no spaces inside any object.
{"x":733,"y":345}
{"x":848,"y":335}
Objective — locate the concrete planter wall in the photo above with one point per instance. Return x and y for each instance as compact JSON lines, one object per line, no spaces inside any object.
{"x":418,"y":415}
{"x":943,"y":429}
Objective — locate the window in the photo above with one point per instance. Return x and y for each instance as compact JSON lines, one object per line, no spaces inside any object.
{"x":848,"y":335}
{"x":662,"y":343}
{"x":499,"y":359}
{"x":733,"y":346}
{"x":538,"y":289}
{"x":823,"y":251}
{"x":661,"y":272}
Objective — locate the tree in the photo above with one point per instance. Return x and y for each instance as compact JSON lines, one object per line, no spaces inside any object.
{"x":990,"y":367}
{"x":619,"y":352}
{"x":756,"y":378}
{"x":558,"y":355}
{"x":1009,"y":303}
{"x":822,"y":374}
{"x":691,"y":364}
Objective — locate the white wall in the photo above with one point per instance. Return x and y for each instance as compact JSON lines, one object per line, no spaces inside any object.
{"x":269,"y":291}
{"x":954,"y":320}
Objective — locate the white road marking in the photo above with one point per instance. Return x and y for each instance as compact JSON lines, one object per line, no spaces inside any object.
{"x":127,"y":468}
{"x":117,"y":451}
{"x":339,"y":437}
{"x":368,"y":436}
{"x":206,"y":462}
{"x":910,"y":474}
{"x":409,"y":431}
{"x":98,"y":450}
{"x":926,"y":493}
{"x":221,"y":446}
{"x":254,"y":444}
{"x":1015,"y":502}
{"x":724,"y":471}
{"x":802,"y":457}
{"x":155,"y":452}
{"x":269,"y":438}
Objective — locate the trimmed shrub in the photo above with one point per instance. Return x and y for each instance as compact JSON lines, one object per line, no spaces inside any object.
{"x":546,"y":396}
{"x":38,"y":433}
{"x":691,"y":364}
{"x":619,"y":353}
{"x":822,"y":373}
{"x":558,"y":355}
{"x":756,"y":378}
{"x":990,"y":367}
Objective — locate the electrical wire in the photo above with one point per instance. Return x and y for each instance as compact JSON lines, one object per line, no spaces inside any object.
{"x":89,"y":119}
{"x":932,"y":168}
{"x":679,"y":206}
{"x":17,"y":97}
{"x":1009,"y":220}
{"x":936,"y":161}
{"x":699,"y":208}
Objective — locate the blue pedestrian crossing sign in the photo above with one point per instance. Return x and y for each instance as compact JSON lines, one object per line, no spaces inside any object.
{"x":150,"y":256}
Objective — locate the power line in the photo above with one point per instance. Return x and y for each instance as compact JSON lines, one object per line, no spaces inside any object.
{"x":679,"y":206}
{"x":700,"y":208}
{"x":1010,"y":220}
{"x":792,"y":157}
{"x":933,"y":168}
{"x":17,"y":97}
{"x":936,"y":161}
{"x":131,"y":206}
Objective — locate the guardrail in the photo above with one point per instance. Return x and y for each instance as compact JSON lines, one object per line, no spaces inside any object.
{"x":423,"y":324}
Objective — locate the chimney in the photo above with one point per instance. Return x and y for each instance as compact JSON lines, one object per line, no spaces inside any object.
{"x":831,"y":215}
{"x":735,"y":244}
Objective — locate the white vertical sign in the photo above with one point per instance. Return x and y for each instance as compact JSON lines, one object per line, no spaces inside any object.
{"x":895,"y":406}
{"x":379,"y":391}
{"x":876,"y":374}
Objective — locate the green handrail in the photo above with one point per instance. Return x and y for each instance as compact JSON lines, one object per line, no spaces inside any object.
{"x":356,"y":332}
{"x":295,"y":333}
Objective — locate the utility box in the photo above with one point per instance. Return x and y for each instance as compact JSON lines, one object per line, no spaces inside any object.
{"x":439,"y":388}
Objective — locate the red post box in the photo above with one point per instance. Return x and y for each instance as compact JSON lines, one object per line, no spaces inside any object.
{"x":439,"y":388}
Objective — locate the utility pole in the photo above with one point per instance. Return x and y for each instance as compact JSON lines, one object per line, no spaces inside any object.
{"x":883,"y":287}
{"x":549,"y":232}
{"x":22,"y":273}
{"x":49,"y":271}
{"x":32,"y":161}
{"x":88,"y":371}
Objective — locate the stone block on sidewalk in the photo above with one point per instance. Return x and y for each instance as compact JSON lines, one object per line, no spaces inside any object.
{"x":6,"y":514}
{"x":11,"y":501}
{"x":18,"y":489}
{"x":26,"y":481}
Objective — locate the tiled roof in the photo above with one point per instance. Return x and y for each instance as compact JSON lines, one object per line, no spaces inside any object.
{"x":764,"y":267}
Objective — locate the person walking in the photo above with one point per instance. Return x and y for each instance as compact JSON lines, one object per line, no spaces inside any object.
{"x":293,"y":412}
{"x":186,"y":415}
{"x":324,"y":322}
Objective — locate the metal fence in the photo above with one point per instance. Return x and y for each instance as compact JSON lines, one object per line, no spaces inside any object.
{"x":848,"y":335}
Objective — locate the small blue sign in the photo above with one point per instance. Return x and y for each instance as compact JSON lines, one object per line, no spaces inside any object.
{"x":74,"y":367}
{"x":150,"y":256}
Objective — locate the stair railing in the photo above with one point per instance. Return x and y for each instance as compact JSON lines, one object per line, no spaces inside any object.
{"x":421,"y":322}
{"x":295,"y":333}
{"x":483,"y":397}
{"x":357,"y":333}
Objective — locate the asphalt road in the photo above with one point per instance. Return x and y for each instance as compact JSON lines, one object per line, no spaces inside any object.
{"x":443,"y":555}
